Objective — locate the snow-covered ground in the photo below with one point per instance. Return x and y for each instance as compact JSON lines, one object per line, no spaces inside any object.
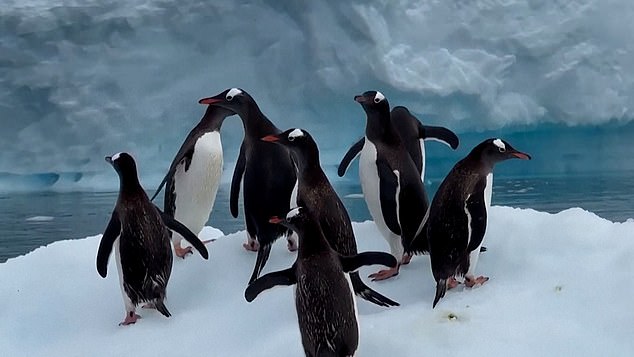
{"x":561,"y":285}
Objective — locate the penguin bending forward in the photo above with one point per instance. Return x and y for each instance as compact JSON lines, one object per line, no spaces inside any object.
{"x":326,"y":308}
{"x":269,"y":175}
{"x":413,"y":134}
{"x":317,"y":194}
{"x":139,"y":232}
{"x":458,"y":215}
{"x":391,"y":184}
{"x":194,"y":176}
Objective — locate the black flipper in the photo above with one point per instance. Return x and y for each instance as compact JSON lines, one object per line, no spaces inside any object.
{"x":477,"y":209}
{"x":160,"y":307}
{"x":353,"y":262}
{"x":354,"y":150}
{"x":283,"y":277}
{"x":441,"y":289}
{"x":260,"y":261}
{"x":107,"y":241}
{"x":439,"y":133}
{"x":181,"y":229}
{"x":185,"y":153}
{"x":388,"y":186}
{"x":235,"y":182}
{"x":366,"y":293}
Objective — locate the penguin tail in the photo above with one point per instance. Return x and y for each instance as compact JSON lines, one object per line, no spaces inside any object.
{"x":418,"y":245}
{"x":441,"y":289}
{"x":263,"y":255}
{"x":160,"y":306}
{"x":366,"y":293}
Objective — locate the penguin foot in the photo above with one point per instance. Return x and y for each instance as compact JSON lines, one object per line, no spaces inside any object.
{"x":384,"y":274}
{"x":182,"y":252}
{"x":452,"y":283}
{"x":406,"y":258}
{"x":291,"y":244}
{"x":251,"y":245}
{"x":471,"y":282}
{"x":130,"y":318}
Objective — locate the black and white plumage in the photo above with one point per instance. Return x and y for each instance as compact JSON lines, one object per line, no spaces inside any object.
{"x":139,"y":232}
{"x":413,"y":134}
{"x":192,"y":181}
{"x":317,"y":194}
{"x":266,"y":171}
{"x":391,"y":184}
{"x":326,"y":308}
{"x":458,"y":215}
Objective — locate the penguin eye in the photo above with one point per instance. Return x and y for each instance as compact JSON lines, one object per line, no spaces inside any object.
{"x":502,"y":149}
{"x":378,"y":97}
{"x":232,"y":93}
{"x":291,"y":138}
{"x":376,"y":100}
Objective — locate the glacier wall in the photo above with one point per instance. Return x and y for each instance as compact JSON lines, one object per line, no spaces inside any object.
{"x":82,"y":79}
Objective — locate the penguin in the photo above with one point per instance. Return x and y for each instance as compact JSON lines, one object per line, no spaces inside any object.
{"x":390,"y":181}
{"x":413,"y":135}
{"x":266,"y":172}
{"x":458,"y":215}
{"x":138,"y":230}
{"x":326,"y":308}
{"x":317,"y":194}
{"x":194,"y":176}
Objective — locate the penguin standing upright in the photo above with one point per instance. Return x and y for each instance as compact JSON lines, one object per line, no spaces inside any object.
{"x":269,"y":175}
{"x":315,"y":193}
{"x":194,"y":176}
{"x":391,"y":184}
{"x":139,"y":232}
{"x":413,"y":134}
{"x":326,"y":308}
{"x":458,"y":215}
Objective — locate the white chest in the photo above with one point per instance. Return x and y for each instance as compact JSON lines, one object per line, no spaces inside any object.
{"x":369,"y":177}
{"x":196,"y":188}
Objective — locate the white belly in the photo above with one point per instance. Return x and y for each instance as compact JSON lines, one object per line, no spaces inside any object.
{"x":196,"y":189}
{"x":369,"y":176}
{"x":422,"y":151}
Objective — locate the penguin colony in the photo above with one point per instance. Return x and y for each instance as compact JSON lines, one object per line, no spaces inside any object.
{"x":286,"y":194}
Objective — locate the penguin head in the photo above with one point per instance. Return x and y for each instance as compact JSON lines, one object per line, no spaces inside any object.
{"x":296,"y":219}
{"x":233,"y":99}
{"x":299,"y":142}
{"x":123,"y":163}
{"x":495,"y":150}
{"x":373,"y":101}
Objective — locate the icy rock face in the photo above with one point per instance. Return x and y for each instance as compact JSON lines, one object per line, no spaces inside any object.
{"x":81,"y":79}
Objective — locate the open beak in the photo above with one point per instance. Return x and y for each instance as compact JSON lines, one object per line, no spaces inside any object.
{"x":521,"y":155}
{"x":270,"y":139}
{"x":275,"y":220}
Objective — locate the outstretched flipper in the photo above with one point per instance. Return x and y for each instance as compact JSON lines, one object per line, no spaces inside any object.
{"x":235,"y":182}
{"x":354,"y":262}
{"x":189,"y":236}
{"x":354,"y":150}
{"x":283,"y":277}
{"x":366,"y":293}
{"x":440,"y":134}
{"x":388,"y":191}
{"x":263,"y":255}
{"x":107,"y":240}
{"x":185,"y":154}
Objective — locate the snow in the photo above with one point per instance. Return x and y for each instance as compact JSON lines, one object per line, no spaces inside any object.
{"x":560,"y":286}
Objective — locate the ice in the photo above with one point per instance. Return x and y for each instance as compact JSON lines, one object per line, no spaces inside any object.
{"x":559,"y":286}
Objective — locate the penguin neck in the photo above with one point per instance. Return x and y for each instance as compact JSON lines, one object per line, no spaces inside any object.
{"x":255,"y":123}
{"x":307,"y":165}
{"x":211,"y":121}
{"x":313,"y":243}
{"x":379,"y":127}
{"x":129,"y":184}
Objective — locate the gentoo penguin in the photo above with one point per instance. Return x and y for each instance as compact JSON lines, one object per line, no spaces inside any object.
{"x":326,"y":309}
{"x":458,"y":215}
{"x":269,"y":175}
{"x":413,"y":134}
{"x":194,"y":176}
{"x":139,"y":232}
{"x":390,"y":182}
{"x":316,"y":194}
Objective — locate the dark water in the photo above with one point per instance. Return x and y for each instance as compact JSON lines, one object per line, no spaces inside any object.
{"x":60,"y":216}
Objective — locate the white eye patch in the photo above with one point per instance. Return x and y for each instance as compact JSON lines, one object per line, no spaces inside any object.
{"x":115,"y":157}
{"x":293,"y":213}
{"x":500,"y":144}
{"x":232,"y":93}
{"x":378,"y":97}
{"x":295,"y":134}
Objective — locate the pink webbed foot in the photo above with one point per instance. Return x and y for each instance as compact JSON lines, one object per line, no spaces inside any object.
{"x":130,"y":318}
{"x":384,"y":274}
{"x":471,"y":282}
{"x":406,"y":259}
{"x":452,"y":283}
{"x":291,"y":244}
{"x":251,"y":245}
{"x":182,"y":252}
